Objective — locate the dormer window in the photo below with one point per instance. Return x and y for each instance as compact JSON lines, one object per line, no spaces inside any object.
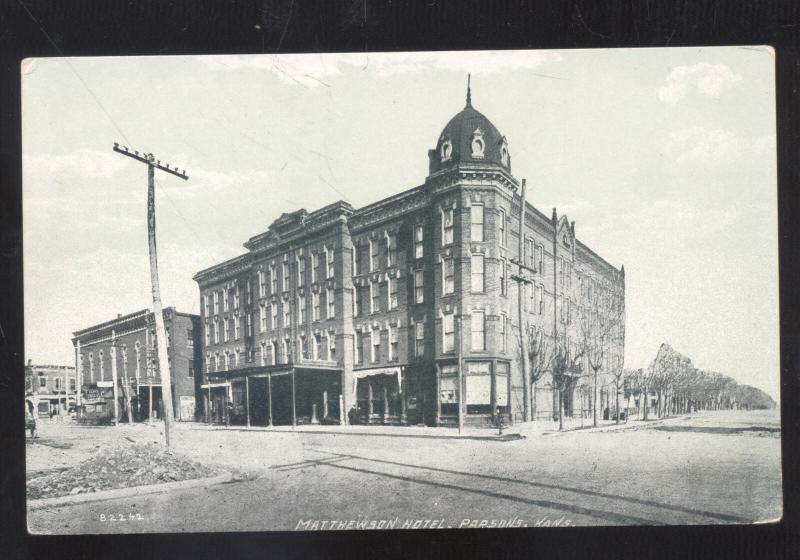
{"x":477,"y":144}
{"x":446,"y":150}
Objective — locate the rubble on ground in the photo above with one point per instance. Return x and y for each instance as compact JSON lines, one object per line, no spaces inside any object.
{"x":119,"y":466}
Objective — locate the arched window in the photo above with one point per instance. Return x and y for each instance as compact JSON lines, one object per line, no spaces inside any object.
{"x":138,"y":349}
{"x":102,"y":365}
{"x":478,"y":145}
{"x":91,"y":367}
{"x":446,"y":150}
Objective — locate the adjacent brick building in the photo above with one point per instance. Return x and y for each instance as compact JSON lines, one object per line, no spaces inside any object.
{"x":125,"y":349}
{"x":50,"y":389}
{"x":344,"y":307}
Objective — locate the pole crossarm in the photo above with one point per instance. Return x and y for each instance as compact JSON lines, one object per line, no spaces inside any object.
{"x":151,"y":160}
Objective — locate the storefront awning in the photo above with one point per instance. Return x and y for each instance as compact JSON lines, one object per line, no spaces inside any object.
{"x":398,"y":371}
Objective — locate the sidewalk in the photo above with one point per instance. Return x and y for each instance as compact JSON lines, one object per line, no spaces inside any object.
{"x":473,"y":433}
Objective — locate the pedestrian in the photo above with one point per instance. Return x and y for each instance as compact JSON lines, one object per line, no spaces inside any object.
{"x":31,"y":419}
{"x":352,"y":415}
{"x":228,"y":413}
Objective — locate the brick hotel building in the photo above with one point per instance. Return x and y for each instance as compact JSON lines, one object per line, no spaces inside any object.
{"x":349,"y":307}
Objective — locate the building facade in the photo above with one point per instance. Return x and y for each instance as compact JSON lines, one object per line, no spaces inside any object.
{"x":50,"y":389}
{"x":118,"y":358}
{"x":369,"y":314}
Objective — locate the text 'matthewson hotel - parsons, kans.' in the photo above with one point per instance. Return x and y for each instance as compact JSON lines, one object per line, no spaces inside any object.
{"x":349,"y":307}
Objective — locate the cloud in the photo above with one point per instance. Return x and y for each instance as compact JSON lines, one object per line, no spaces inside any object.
{"x":710,"y":79}
{"x":707,"y":145}
{"x":203,"y":181}
{"x":84,"y":162}
{"x":311,"y":70}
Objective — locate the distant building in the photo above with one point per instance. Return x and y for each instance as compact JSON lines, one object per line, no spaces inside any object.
{"x":346,"y":308}
{"x":125,"y":348}
{"x":50,"y":389}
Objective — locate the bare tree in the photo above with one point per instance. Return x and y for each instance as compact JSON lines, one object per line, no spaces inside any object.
{"x":566,"y":369}
{"x":539,"y":351}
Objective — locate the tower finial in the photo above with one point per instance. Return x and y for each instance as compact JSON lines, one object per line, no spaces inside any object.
{"x":469,"y":93}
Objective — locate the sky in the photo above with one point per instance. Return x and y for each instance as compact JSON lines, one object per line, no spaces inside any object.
{"x":664,"y":158}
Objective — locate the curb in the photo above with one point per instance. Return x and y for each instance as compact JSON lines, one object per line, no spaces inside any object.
{"x":493,"y":437}
{"x":128,"y":492}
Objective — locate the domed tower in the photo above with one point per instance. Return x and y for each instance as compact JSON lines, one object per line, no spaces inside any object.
{"x":469,"y":139}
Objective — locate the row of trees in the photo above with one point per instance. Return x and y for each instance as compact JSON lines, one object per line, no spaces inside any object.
{"x":670,"y":385}
{"x":679,"y":387}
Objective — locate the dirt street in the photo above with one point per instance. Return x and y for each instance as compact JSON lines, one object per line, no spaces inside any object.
{"x":703,"y":469}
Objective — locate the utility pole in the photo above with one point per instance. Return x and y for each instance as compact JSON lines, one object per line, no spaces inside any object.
{"x":161,"y":333}
{"x":113,"y":351}
{"x":523,"y":281}
{"x":78,"y":377}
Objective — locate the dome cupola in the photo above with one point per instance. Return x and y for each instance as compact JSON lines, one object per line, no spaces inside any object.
{"x":469,"y":137}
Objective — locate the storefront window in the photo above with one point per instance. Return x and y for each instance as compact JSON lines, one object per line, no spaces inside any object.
{"x":448,"y":390}
{"x":478,"y":395}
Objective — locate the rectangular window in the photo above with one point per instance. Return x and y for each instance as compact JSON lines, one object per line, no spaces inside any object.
{"x":57,"y":383}
{"x":357,"y":260}
{"x":540,"y":259}
{"x":373,"y":255}
{"x":216,"y":303}
{"x":561,"y":270}
{"x":476,"y":273}
{"x":236,"y":296}
{"x":72,"y":385}
{"x":208,"y":334}
{"x":448,"y":332}
{"x":358,"y":306}
{"x":205,"y":304}
{"x":236,"y":328}
{"x":287,"y":315}
{"x":501,"y":227}
{"x":375,"y":345}
{"x":42,"y":382}
{"x":226,"y":300}
{"x":391,"y":250}
{"x":419,"y":293}
{"x":418,"y":248}
{"x":528,"y":257}
{"x":503,"y":278}
{"x":540,"y":299}
{"x":249,"y":292}
{"x":285,"y":268}
{"x":216,"y":330}
{"x":329,"y":255}
{"x":419,"y":338}
{"x":476,"y":222}
{"x":263,"y":318}
{"x":189,"y":338}
{"x":331,"y":347}
{"x":449,"y":270}
{"x":301,"y":310}
{"x":273,"y":280}
{"x":392,"y":289}
{"x":225,"y":333}
{"x":314,"y":266}
{"x":274,"y":311}
{"x":357,"y":348}
{"x":447,"y":226}
{"x":569,"y":275}
{"x":262,"y":288}
{"x":249,"y":324}
{"x":301,"y":269}
{"x":503,"y":321}
{"x":375,"y":297}
{"x":315,"y":305}
{"x":191,"y":368}
{"x":477,"y":323}
{"x":392,"y":344}
{"x":331,"y":303}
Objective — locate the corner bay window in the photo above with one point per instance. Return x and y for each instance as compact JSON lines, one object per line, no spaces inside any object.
{"x":448,"y":332}
{"x":477,"y":324}
{"x":476,"y":273}
{"x":447,"y":226}
{"x":476,"y":222}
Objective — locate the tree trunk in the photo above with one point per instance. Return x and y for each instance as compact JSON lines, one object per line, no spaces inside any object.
{"x":560,"y":410}
{"x":644,"y":402}
{"x":617,"y":404}
{"x":594,"y":400}
{"x":533,"y":400}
